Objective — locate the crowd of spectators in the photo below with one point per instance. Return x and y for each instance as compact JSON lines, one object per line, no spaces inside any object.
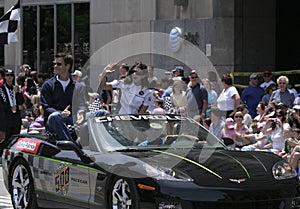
{"x":27,"y":84}
{"x":264,"y":116}
{"x":20,"y":102}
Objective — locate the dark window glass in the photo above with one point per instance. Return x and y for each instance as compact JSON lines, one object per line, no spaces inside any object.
{"x":30,"y":35}
{"x":82,"y":34}
{"x":47,"y":38}
{"x":64,"y":34}
{"x":64,"y":28}
{"x":1,"y":45}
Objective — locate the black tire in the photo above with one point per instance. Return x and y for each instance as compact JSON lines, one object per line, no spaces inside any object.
{"x":123,"y":194}
{"x":21,"y":186}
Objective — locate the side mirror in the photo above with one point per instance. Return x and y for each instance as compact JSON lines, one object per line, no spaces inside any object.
{"x":69,"y":145}
{"x":48,"y":150}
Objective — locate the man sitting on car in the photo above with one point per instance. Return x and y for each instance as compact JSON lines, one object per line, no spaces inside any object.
{"x":57,"y":98}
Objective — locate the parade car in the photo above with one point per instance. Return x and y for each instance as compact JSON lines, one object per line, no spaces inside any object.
{"x":144,"y":161}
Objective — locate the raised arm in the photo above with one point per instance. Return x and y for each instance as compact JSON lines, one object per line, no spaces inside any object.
{"x":102,"y":77}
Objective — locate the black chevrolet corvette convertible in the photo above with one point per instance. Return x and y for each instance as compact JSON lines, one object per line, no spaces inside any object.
{"x":144,"y":161}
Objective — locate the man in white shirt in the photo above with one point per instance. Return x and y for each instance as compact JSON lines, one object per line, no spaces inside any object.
{"x":267,"y":76}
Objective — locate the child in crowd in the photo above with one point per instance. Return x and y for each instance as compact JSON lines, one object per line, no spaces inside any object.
{"x":37,"y":125}
{"x":228,"y":130}
{"x":247,"y":117}
{"x":257,"y":137}
{"x":158,"y":107}
{"x":240,"y":131}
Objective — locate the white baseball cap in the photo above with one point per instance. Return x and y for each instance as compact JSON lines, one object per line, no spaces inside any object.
{"x":78,"y":73}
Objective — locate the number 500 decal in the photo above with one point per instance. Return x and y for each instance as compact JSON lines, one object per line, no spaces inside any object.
{"x":62,"y":180}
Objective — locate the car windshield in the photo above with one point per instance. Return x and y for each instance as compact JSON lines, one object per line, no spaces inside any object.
{"x":140,"y":132}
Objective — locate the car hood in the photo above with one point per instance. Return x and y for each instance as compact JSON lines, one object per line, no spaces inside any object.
{"x":204,"y":167}
{"x":221,"y":165}
{"x":229,"y":166}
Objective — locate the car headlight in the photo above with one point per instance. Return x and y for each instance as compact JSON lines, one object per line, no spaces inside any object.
{"x":161,"y":173}
{"x":283,"y":170}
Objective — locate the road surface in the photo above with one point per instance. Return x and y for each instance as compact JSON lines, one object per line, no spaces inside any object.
{"x":5,"y":201}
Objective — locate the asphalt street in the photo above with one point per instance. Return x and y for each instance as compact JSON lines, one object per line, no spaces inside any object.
{"x":5,"y":201}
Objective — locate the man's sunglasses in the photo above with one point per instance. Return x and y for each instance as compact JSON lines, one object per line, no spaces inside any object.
{"x":57,"y":63}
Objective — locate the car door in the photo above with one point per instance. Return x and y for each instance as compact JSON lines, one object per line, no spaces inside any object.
{"x":68,"y":183}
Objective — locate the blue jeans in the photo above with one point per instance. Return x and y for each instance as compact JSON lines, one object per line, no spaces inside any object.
{"x":97,"y":113}
{"x":57,"y":124}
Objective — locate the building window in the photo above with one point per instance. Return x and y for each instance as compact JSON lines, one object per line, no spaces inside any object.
{"x":64,"y":29}
{"x":82,"y":35}
{"x":48,"y":29}
{"x":1,"y":45}
{"x":30,"y":34}
{"x":45,"y":41}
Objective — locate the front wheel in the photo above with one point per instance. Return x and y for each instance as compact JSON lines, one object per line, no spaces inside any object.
{"x":21,"y":186}
{"x":124,"y":194}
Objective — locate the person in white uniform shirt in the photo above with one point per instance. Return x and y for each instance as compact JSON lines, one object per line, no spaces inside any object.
{"x":136,"y":97}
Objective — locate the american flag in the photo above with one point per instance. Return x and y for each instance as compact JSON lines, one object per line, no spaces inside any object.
{"x":9,"y":24}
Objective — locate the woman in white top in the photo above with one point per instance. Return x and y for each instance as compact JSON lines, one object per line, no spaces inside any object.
{"x":136,"y":97}
{"x":178,"y":98}
{"x":229,"y":99}
{"x":275,"y":131}
{"x":261,"y":111}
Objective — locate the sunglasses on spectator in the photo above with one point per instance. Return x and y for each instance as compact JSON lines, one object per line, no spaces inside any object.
{"x":238,"y":116}
{"x":194,"y":77}
{"x":281,"y":83}
{"x":57,"y":63}
{"x":256,"y":78}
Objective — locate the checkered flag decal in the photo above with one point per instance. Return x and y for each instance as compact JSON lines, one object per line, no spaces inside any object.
{"x":9,"y":24}
{"x":96,"y":105}
{"x":167,"y":103}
